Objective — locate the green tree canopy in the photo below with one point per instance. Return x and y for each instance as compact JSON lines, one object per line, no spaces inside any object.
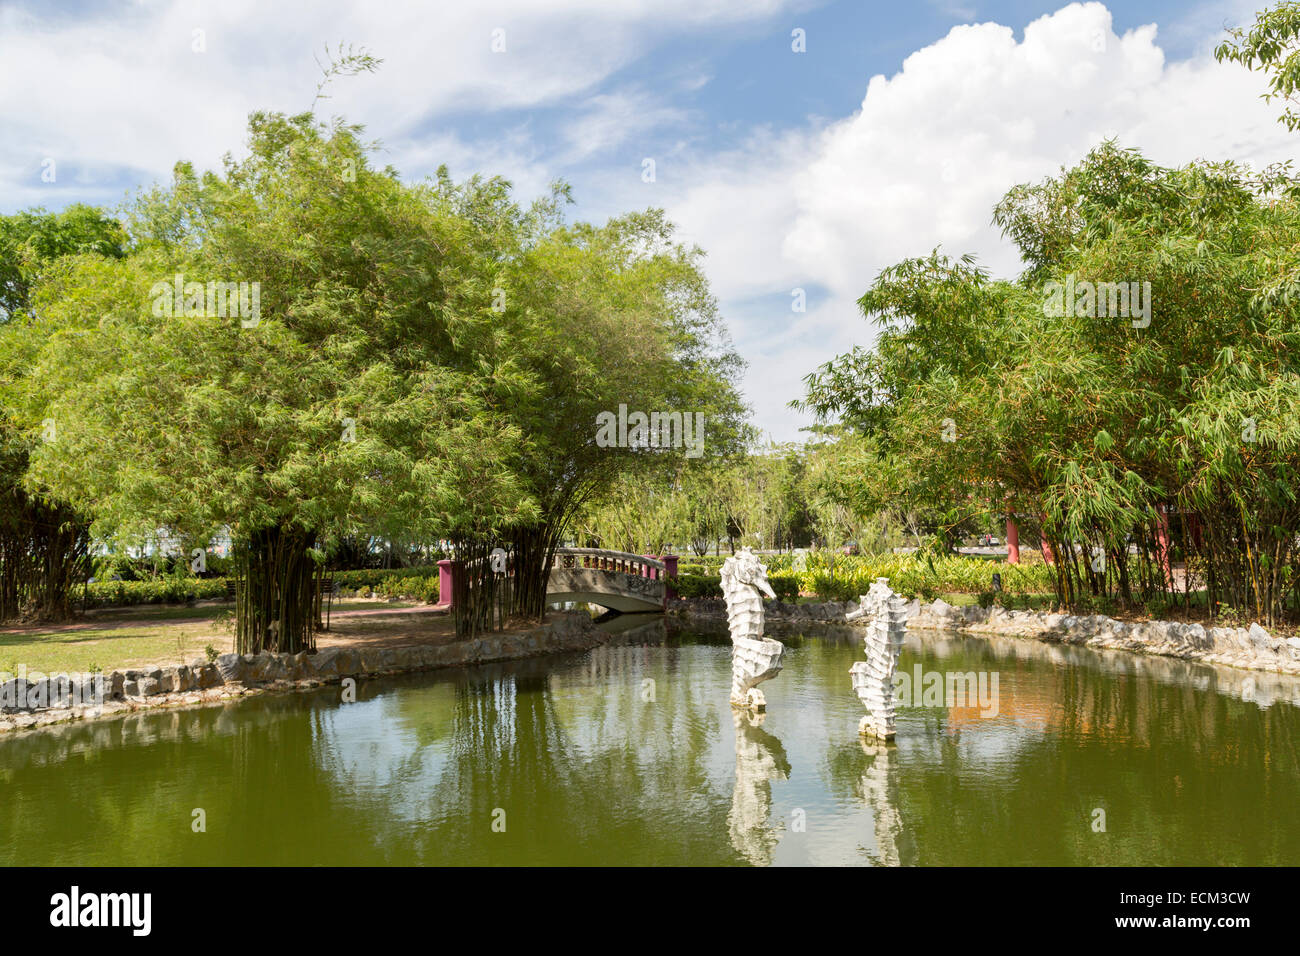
{"x":44,"y":543}
{"x":1173,"y":394}
{"x":335,"y":398}
{"x":301,"y":345}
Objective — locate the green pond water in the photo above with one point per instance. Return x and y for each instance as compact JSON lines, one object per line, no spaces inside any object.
{"x":630,"y":754}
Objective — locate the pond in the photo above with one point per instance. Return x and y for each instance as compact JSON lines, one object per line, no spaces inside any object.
{"x":631,"y":754}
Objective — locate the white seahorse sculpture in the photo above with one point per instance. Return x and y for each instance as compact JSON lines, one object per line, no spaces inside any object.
{"x":754,"y":658}
{"x":873,"y":679}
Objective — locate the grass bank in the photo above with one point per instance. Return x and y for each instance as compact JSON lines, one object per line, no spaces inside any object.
{"x":122,"y":638}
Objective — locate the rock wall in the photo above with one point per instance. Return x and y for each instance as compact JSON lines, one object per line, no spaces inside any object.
{"x":234,"y":675}
{"x":776,"y":614}
{"x":1253,"y":647}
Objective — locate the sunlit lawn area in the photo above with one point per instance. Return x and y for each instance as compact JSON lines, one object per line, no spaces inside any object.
{"x":119,"y":638}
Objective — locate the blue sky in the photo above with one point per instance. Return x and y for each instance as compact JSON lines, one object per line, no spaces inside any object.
{"x":895,"y":131}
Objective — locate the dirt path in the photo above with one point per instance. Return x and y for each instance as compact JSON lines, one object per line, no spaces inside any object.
{"x":392,"y":627}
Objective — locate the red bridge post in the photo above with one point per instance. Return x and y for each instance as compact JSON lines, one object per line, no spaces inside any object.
{"x":446,"y":586}
{"x":670,"y":571}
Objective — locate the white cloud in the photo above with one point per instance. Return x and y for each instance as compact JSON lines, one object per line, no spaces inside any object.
{"x":610,"y":119}
{"x":934,"y":147}
{"x":512,"y":154}
{"x":125,"y":87}
{"x":118,"y":98}
{"x":925,"y":159}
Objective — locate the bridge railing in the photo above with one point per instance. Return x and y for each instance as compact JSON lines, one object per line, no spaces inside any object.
{"x":639,"y":564}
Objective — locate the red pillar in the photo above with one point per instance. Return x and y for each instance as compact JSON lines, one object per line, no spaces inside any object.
{"x":670,"y":571}
{"x":1013,"y":541}
{"x":446,"y":592}
{"x":1162,"y":543}
{"x":1048,"y":556}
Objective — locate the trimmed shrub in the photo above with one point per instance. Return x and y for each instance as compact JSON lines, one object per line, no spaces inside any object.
{"x":918,"y":576}
{"x":697,"y":585}
{"x":785,"y":585}
{"x":158,"y":591}
{"x":414,"y":584}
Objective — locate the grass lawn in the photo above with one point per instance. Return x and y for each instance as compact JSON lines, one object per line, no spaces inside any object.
{"x":121,"y":638}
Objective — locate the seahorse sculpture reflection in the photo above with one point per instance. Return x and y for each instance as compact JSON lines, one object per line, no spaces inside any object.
{"x":873,"y":679}
{"x":880,"y":791}
{"x":754,"y":658}
{"x":760,"y":759}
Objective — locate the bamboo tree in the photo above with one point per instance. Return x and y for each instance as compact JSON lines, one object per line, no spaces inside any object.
{"x":1101,"y":422}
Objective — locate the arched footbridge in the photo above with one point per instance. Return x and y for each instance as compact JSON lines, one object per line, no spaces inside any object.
{"x":611,"y":579}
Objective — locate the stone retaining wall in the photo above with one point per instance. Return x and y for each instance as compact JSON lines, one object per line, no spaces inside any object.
{"x":1253,"y":647}
{"x":234,"y":675}
{"x":776,"y":614}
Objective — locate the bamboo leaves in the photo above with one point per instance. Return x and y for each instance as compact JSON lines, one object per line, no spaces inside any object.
{"x":1107,"y":431}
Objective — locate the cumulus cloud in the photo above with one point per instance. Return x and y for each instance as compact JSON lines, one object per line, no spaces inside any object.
{"x":934,"y":147}
{"x":923,"y":162}
{"x":116,"y":96}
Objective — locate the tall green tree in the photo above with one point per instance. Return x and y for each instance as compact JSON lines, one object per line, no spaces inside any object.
{"x":337,"y":396}
{"x":600,"y":323}
{"x":403,"y":361}
{"x":1104,"y":416}
{"x":44,"y":543}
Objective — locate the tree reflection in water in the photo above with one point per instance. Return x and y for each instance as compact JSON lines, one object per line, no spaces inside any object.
{"x":630,"y":755}
{"x":609,"y":759}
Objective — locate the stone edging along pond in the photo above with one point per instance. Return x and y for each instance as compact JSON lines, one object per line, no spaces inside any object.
{"x":1253,"y":648}
{"x":235,"y":675}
